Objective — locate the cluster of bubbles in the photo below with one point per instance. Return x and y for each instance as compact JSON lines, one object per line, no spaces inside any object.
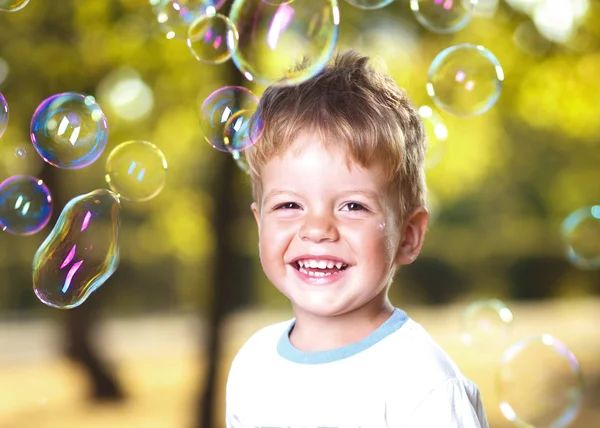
{"x":538,"y":379}
{"x":70,"y":131}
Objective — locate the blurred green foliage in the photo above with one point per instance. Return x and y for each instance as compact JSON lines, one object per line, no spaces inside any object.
{"x":506,"y":181}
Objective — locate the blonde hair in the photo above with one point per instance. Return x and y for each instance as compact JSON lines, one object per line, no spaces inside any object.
{"x":352,"y":103}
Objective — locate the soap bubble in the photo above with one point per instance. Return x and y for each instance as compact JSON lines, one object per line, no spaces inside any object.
{"x":3,"y":114}
{"x":25,"y":205}
{"x":437,"y":134}
{"x":12,"y":5}
{"x":369,"y":4}
{"x":20,"y":152}
{"x":465,"y":80}
{"x":136,"y":170}
{"x":486,"y":324}
{"x":539,"y":383}
{"x":240,"y":160}
{"x":81,"y":252}
{"x":69,"y":130}
{"x":581,"y":234}
{"x":211,"y":39}
{"x":275,"y":37}
{"x":224,"y":119}
{"x":176,"y":16}
{"x":443,"y":16}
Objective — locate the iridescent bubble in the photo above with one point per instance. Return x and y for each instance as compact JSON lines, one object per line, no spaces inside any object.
{"x":12,"y":5}
{"x":486,"y":324}
{"x":25,"y":205}
{"x":230,"y":102}
{"x":369,"y":4}
{"x":242,"y":130}
{"x":443,"y":16}
{"x":465,"y":80}
{"x":581,"y":234}
{"x":275,"y":38}
{"x":81,"y":252}
{"x":539,"y":383}
{"x":136,"y":170}
{"x":211,"y":39}
{"x":69,"y":130}
{"x":20,"y":152}
{"x":437,"y":134}
{"x":176,"y":16}
{"x":3,"y":114}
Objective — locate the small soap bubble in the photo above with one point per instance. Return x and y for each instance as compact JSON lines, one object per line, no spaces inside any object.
{"x":240,"y":160}
{"x":539,"y":383}
{"x":69,"y":130}
{"x":25,"y":205}
{"x":3,"y":114}
{"x":20,"y":152}
{"x":136,"y":170}
{"x":12,"y":5}
{"x":581,"y":234}
{"x":211,"y":39}
{"x":369,"y":4}
{"x":443,"y":16}
{"x":224,"y":114}
{"x":465,"y":80}
{"x":176,"y":16}
{"x":437,"y":134}
{"x":81,"y":252}
{"x":275,"y":36}
{"x":486,"y":324}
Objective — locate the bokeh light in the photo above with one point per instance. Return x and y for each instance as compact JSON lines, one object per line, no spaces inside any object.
{"x":126,"y":94}
{"x":176,"y":16}
{"x":465,"y":80}
{"x":539,"y":383}
{"x":81,"y":252}
{"x":486,"y":324}
{"x":224,"y":118}
{"x":581,"y":234}
{"x":136,"y":170}
{"x":274,"y":38}
{"x":69,"y":130}
{"x":212,"y":39}
{"x":3,"y":114}
{"x":369,"y":4}
{"x":443,"y":16}
{"x":12,"y":5}
{"x":25,"y":205}
{"x":437,"y":134}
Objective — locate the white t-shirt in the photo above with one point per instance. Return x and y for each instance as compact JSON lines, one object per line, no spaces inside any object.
{"x":397,"y":377}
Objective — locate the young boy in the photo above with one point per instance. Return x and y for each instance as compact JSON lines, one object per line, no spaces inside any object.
{"x":339,"y":190}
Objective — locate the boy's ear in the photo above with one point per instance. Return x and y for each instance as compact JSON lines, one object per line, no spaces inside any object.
{"x":412,"y":236}
{"x":256,"y":212}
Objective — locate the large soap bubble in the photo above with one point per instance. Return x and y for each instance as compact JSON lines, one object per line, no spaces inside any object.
{"x":69,"y":130}
{"x":465,"y":80}
{"x":276,"y":36}
{"x":81,"y":252}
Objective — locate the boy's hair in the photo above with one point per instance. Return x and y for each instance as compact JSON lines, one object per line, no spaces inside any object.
{"x":351,"y":103}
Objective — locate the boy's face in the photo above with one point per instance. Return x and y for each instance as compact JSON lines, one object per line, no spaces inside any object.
{"x":329,"y":236}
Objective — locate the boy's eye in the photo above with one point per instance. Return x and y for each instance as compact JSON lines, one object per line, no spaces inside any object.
{"x":353,"y":206}
{"x":288,"y":206}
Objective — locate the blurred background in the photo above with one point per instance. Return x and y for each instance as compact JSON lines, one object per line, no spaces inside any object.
{"x":153,"y":345}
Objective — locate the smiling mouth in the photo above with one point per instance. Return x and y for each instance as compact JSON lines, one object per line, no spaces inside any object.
{"x":320,"y":270}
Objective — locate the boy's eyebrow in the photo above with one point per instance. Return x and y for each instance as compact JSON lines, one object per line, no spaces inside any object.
{"x":278,"y":192}
{"x":365,"y":192}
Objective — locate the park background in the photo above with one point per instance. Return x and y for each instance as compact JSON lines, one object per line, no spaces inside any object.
{"x":152,"y":347}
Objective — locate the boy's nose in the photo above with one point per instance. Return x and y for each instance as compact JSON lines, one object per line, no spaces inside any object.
{"x":318,"y":229}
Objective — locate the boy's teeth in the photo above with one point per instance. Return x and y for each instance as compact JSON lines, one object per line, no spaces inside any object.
{"x":320,"y":264}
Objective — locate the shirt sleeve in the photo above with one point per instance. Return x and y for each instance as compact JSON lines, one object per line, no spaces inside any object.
{"x":453,"y":404}
{"x":231,"y":416}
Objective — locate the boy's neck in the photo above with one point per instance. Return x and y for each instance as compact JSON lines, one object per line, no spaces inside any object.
{"x":313,"y":334}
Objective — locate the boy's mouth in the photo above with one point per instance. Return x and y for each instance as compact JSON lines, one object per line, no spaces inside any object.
{"x":320,"y":267}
